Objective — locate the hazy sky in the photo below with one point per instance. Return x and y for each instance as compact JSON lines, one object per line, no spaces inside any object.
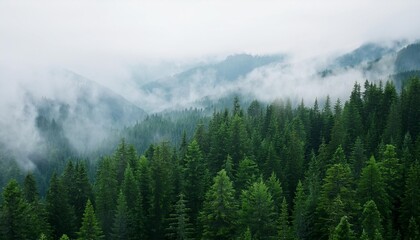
{"x":98,"y":32}
{"x":104,"y":40}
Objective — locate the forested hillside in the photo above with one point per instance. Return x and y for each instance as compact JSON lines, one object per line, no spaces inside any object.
{"x":343,"y":170}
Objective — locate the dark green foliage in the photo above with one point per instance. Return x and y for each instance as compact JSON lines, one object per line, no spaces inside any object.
{"x":299,"y":212}
{"x":257,"y":211}
{"x":219,"y":214}
{"x":120,"y":226}
{"x":90,"y":229}
{"x":410,"y":204}
{"x":276,"y":191}
{"x":279,"y":172}
{"x":283,"y":228}
{"x":343,"y":230}
{"x":180,"y":227}
{"x":106,"y":192}
{"x":60,"y":213}
{"x":413,"y":230}
{"x":15,"y":215}
{"x":371,"y":220}
{"x":372,"y":187}
{"x":195,"y":179}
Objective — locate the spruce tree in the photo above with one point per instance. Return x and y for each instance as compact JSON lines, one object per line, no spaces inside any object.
{"x":343,"y":230}
{"x":15,"y":214}
{"x":299,"y":212}
{"x":60,"y":214}
{"x":90,"y":229}
{"x":283,"y":229}
{"x":120,"y":226}
{"x":371,"y":219}
{"x":372,"y":187}
{"x":180,"y":227}
{"x":106,"y":192}
{"x":219,"y":214}
{"x":257,"y":211}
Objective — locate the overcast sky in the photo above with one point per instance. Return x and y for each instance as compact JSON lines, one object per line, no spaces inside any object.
{"x":70,"y":31}
{"x":101,"y":39}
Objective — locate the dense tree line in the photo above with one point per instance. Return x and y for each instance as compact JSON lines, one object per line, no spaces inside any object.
{"x":341,"y":171}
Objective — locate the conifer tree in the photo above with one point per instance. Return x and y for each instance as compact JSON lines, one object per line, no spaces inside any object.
{"x":132,"y":196}
{"x":180,"y":227}
{"x":120,"y":226}
{"x":195,"y":178}
{"x":410,"y":206}
{"x":60,"y":214}
{"x":371,"y":219}
{"x":257,"y":211}
{"x":276,"y":191}
{"x":413,"y":230}
{"x":343,"y":230}
{"x":219,"y":214}
{"x":372,"y":187}
{"x":15,"y":217}
{"x":106,"y":192}
{"x":299,"y":212}
{"x":90,"y":229}
{"x":246,"y":174}
{"x":283,"y":229}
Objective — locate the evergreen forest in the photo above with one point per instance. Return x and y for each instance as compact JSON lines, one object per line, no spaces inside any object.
{"x":333,"y":170}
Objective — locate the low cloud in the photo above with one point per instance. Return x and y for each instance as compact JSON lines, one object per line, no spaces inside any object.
{"x":123,"y":45}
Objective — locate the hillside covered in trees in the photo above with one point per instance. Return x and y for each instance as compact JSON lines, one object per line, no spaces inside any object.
{"x":343,"y":170}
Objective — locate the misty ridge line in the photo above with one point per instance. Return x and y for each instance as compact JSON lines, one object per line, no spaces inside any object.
{"x":87,"y":113}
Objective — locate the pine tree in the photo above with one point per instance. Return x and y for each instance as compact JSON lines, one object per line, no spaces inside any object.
{"x":247,"y":235}
{"x":246,"y":174}
{"x":39,"y":222}
{"x":413,"y":230}
{"x":257,"y":211}
{"x":410,"y":206}
{"x":15,"y":213}
{"x":30,"y":189}
{"x":180,"y":227}
{"x":144,"y":179}
{"x":371,"y":219}
{"x":161,"y":187}
{"x":337,"y":197}
{"x":120,"y":226}
{"x":90,"y":229}
{"x":372,"y":187}
{"x":219,"y":213}
{"x":106,"y":192}
{"x":132,"y":196}
{"x":357,"y":158}
{"x":299,"y":212}
{"x":343,"y":230}
{"x":195,"y":178}
{"x":276,"y":191}
{"x":283,"y":229}
{"x":60,"y":214}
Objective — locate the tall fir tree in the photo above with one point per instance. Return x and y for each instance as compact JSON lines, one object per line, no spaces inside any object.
{"x":60,"y":214}
{"x":257,"y":211}
{"x":219,"y":214}
{"x":90,"y":229}
{"x":120,"y":225}
{"x":15,"y":214}
{"x":343,"y":230}
{"x":180,"y":227}
{"x":371,"y":219}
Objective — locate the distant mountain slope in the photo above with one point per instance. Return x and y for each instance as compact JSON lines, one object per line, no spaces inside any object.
{"x":207,"y":80}
{"x":82,"y":111}
{"x":408,"y":59}
{"x":369,"y":52}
